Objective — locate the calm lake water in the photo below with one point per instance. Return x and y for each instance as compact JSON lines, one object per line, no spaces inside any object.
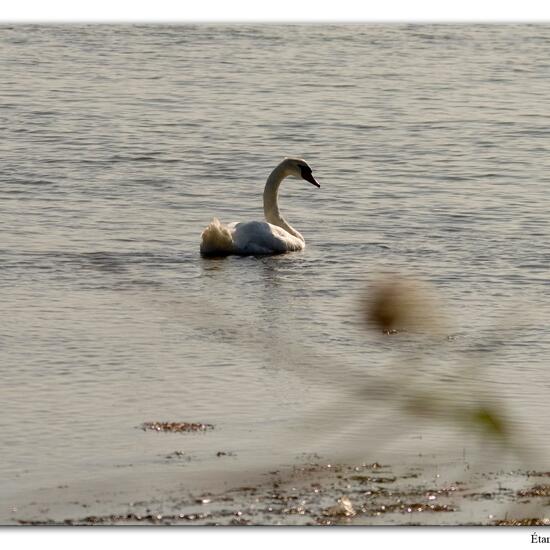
{"x":120,"y":143}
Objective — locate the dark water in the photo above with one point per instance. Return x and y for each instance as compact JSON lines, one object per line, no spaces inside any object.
{"x":119,"y":144}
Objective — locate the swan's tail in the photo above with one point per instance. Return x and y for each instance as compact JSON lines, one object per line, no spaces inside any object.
{"x":216,"y":240}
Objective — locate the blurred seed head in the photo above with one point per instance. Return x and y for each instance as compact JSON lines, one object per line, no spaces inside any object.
{"x":396,"y":304}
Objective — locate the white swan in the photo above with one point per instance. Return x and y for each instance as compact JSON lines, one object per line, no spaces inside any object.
{"x":255,"y":238}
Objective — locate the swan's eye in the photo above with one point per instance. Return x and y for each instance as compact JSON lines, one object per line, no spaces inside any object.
{"x":306,"y":170}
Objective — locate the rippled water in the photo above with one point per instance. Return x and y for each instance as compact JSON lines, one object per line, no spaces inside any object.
{"x":119,"y":143}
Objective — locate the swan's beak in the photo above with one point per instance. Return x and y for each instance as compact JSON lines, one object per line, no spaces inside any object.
{"x":309,"y":177}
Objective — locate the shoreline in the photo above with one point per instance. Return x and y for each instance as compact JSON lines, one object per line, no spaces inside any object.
{"x":314,"y":493}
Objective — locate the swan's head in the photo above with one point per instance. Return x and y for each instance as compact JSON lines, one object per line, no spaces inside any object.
{"x":300,"y":169}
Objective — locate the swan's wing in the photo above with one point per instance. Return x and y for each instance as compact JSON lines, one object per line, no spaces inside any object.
{"x":216,"y":240}
{"x":262,"y":238}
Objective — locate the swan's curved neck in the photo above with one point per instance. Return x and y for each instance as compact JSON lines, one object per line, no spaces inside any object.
{"x":271,"y":206}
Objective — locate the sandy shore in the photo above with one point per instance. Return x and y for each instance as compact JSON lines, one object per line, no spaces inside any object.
{"x":314,"y":493}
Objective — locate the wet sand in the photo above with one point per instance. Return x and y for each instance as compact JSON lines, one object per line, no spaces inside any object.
{"x":314,"y":493}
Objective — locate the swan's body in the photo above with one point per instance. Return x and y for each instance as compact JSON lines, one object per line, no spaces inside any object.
{"x":273,"y":236}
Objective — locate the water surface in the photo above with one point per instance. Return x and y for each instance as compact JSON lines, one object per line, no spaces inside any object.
{"x":431,"y":144}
